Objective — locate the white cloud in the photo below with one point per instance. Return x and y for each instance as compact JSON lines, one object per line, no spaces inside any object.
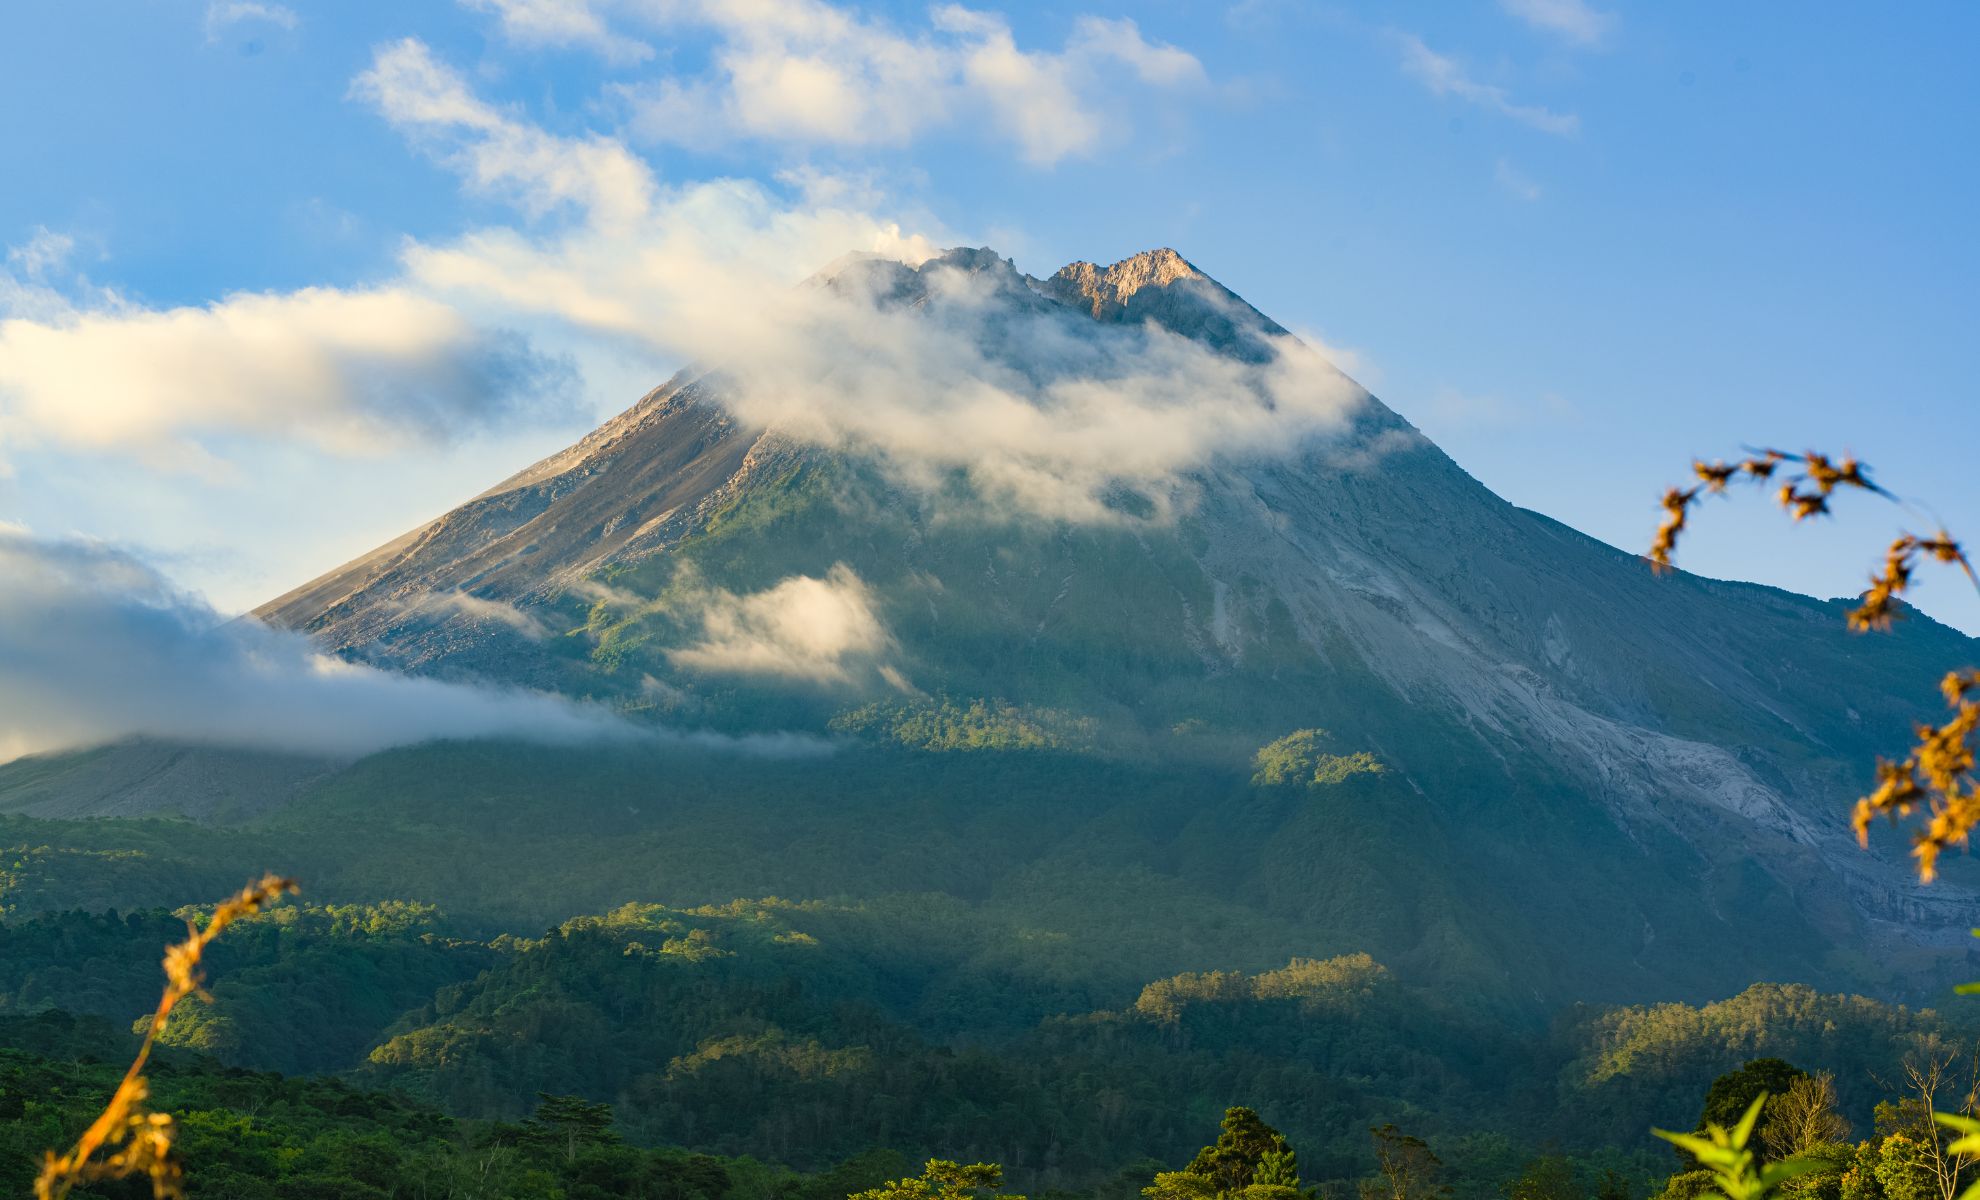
{"x":1571,"y":20}
{"x":562,"y":23}
{"x":349,"y":370}
{"x":480,"y":611}
{"x":498,"y":153}
{"x":223,"y":14}
{"x":810,"y":73}
{"x":1514,"y":181}
{"x":95,"y":646}
{"x":803,"y":628}
{"x":1444,"y":77}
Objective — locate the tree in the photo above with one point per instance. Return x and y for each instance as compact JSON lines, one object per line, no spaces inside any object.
{"x":1409,"y":1169}
{"x":1803,"y":1116}
{"x":1934,"y":1075}
{"x":570,"y":1123}
{"x":1277,"y":1168}
{"x":1548,"y":1177}
{"x":1277,"y":1177}
{"x":1244,"y":1141}
{"x":942,"y":1179}
{"x":1905,"y":1170}
{"x":1732,"y":1093}
{"x":1181,"y":1185}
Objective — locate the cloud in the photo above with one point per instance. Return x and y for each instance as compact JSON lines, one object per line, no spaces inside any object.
{"x":803,"y":628}
{"x":1040,"y":407}
{"x":348,"y":370}
{"x":562,"y":24}
{"x":1444,"y":77}
{"x":479,"y":611}
{"x":804,"y":72}
{"x":1514,"y":181}
{"x":95,"y":646}
{"x":224,"y":14}
{"x":42,"y":254}
{"x":1571,"y":20}
{"x":499,"y":154}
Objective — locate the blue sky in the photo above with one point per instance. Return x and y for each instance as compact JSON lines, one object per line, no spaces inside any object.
{"x":1576,"y":243}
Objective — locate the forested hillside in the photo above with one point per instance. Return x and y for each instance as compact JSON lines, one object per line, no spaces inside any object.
{"x":812,"y":1034}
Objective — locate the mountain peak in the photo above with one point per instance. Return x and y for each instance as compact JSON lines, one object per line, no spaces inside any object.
{"x":1107,"y":290}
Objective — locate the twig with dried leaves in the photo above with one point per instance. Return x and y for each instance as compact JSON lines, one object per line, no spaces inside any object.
{"x":128,"y":1139}
{"x":1938,"y":774}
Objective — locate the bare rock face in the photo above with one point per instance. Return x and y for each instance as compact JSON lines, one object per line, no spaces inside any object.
{"x":1106,"y":292}
{"x":455,"y":591}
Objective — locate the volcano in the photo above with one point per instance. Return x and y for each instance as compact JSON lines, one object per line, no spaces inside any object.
{"x":1297,"y":684}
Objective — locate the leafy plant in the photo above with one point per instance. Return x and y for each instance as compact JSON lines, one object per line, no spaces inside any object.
{"x":1737,"y":1171}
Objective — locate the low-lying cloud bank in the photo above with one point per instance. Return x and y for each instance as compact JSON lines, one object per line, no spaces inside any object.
{"x":96,"y":646}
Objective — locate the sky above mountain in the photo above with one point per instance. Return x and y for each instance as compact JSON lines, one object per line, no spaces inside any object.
{"x":283,"y":281}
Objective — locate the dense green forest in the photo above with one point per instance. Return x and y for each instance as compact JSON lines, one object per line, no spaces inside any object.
{"x":765,"y":1050}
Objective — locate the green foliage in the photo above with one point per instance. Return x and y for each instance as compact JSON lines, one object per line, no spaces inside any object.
{"x":942,"y":1179}
{"x":1549,"y":1177}
{"x":809,"y":1033}
{"x":1409,"y":1169}
{"x":1903,"y":1169}
{"x":1735,"y":1092}
{"x":949,"y":725}
{"x":1297,"y":758}
{"x":1232,"y":1162}
{"x":1737,"y":1172}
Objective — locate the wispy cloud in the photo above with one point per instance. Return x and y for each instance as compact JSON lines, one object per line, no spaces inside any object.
{"x":1514,"y":181}
{"x":1445,"y":77}
{"x":44,"y":252}
{"x":497,"y":153}
{"x":96,"y":646}
{"x":222,"y":15}
{"x":561,"y":24}
{"x":1573,"y":21}
{"x":803,"y":628}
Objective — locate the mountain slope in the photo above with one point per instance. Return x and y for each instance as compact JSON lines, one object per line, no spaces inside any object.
{"x":1555,"y":722}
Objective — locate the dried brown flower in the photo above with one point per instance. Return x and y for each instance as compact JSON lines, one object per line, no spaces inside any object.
{"x":128,"y":1139}
{"x":1938,"y":775}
